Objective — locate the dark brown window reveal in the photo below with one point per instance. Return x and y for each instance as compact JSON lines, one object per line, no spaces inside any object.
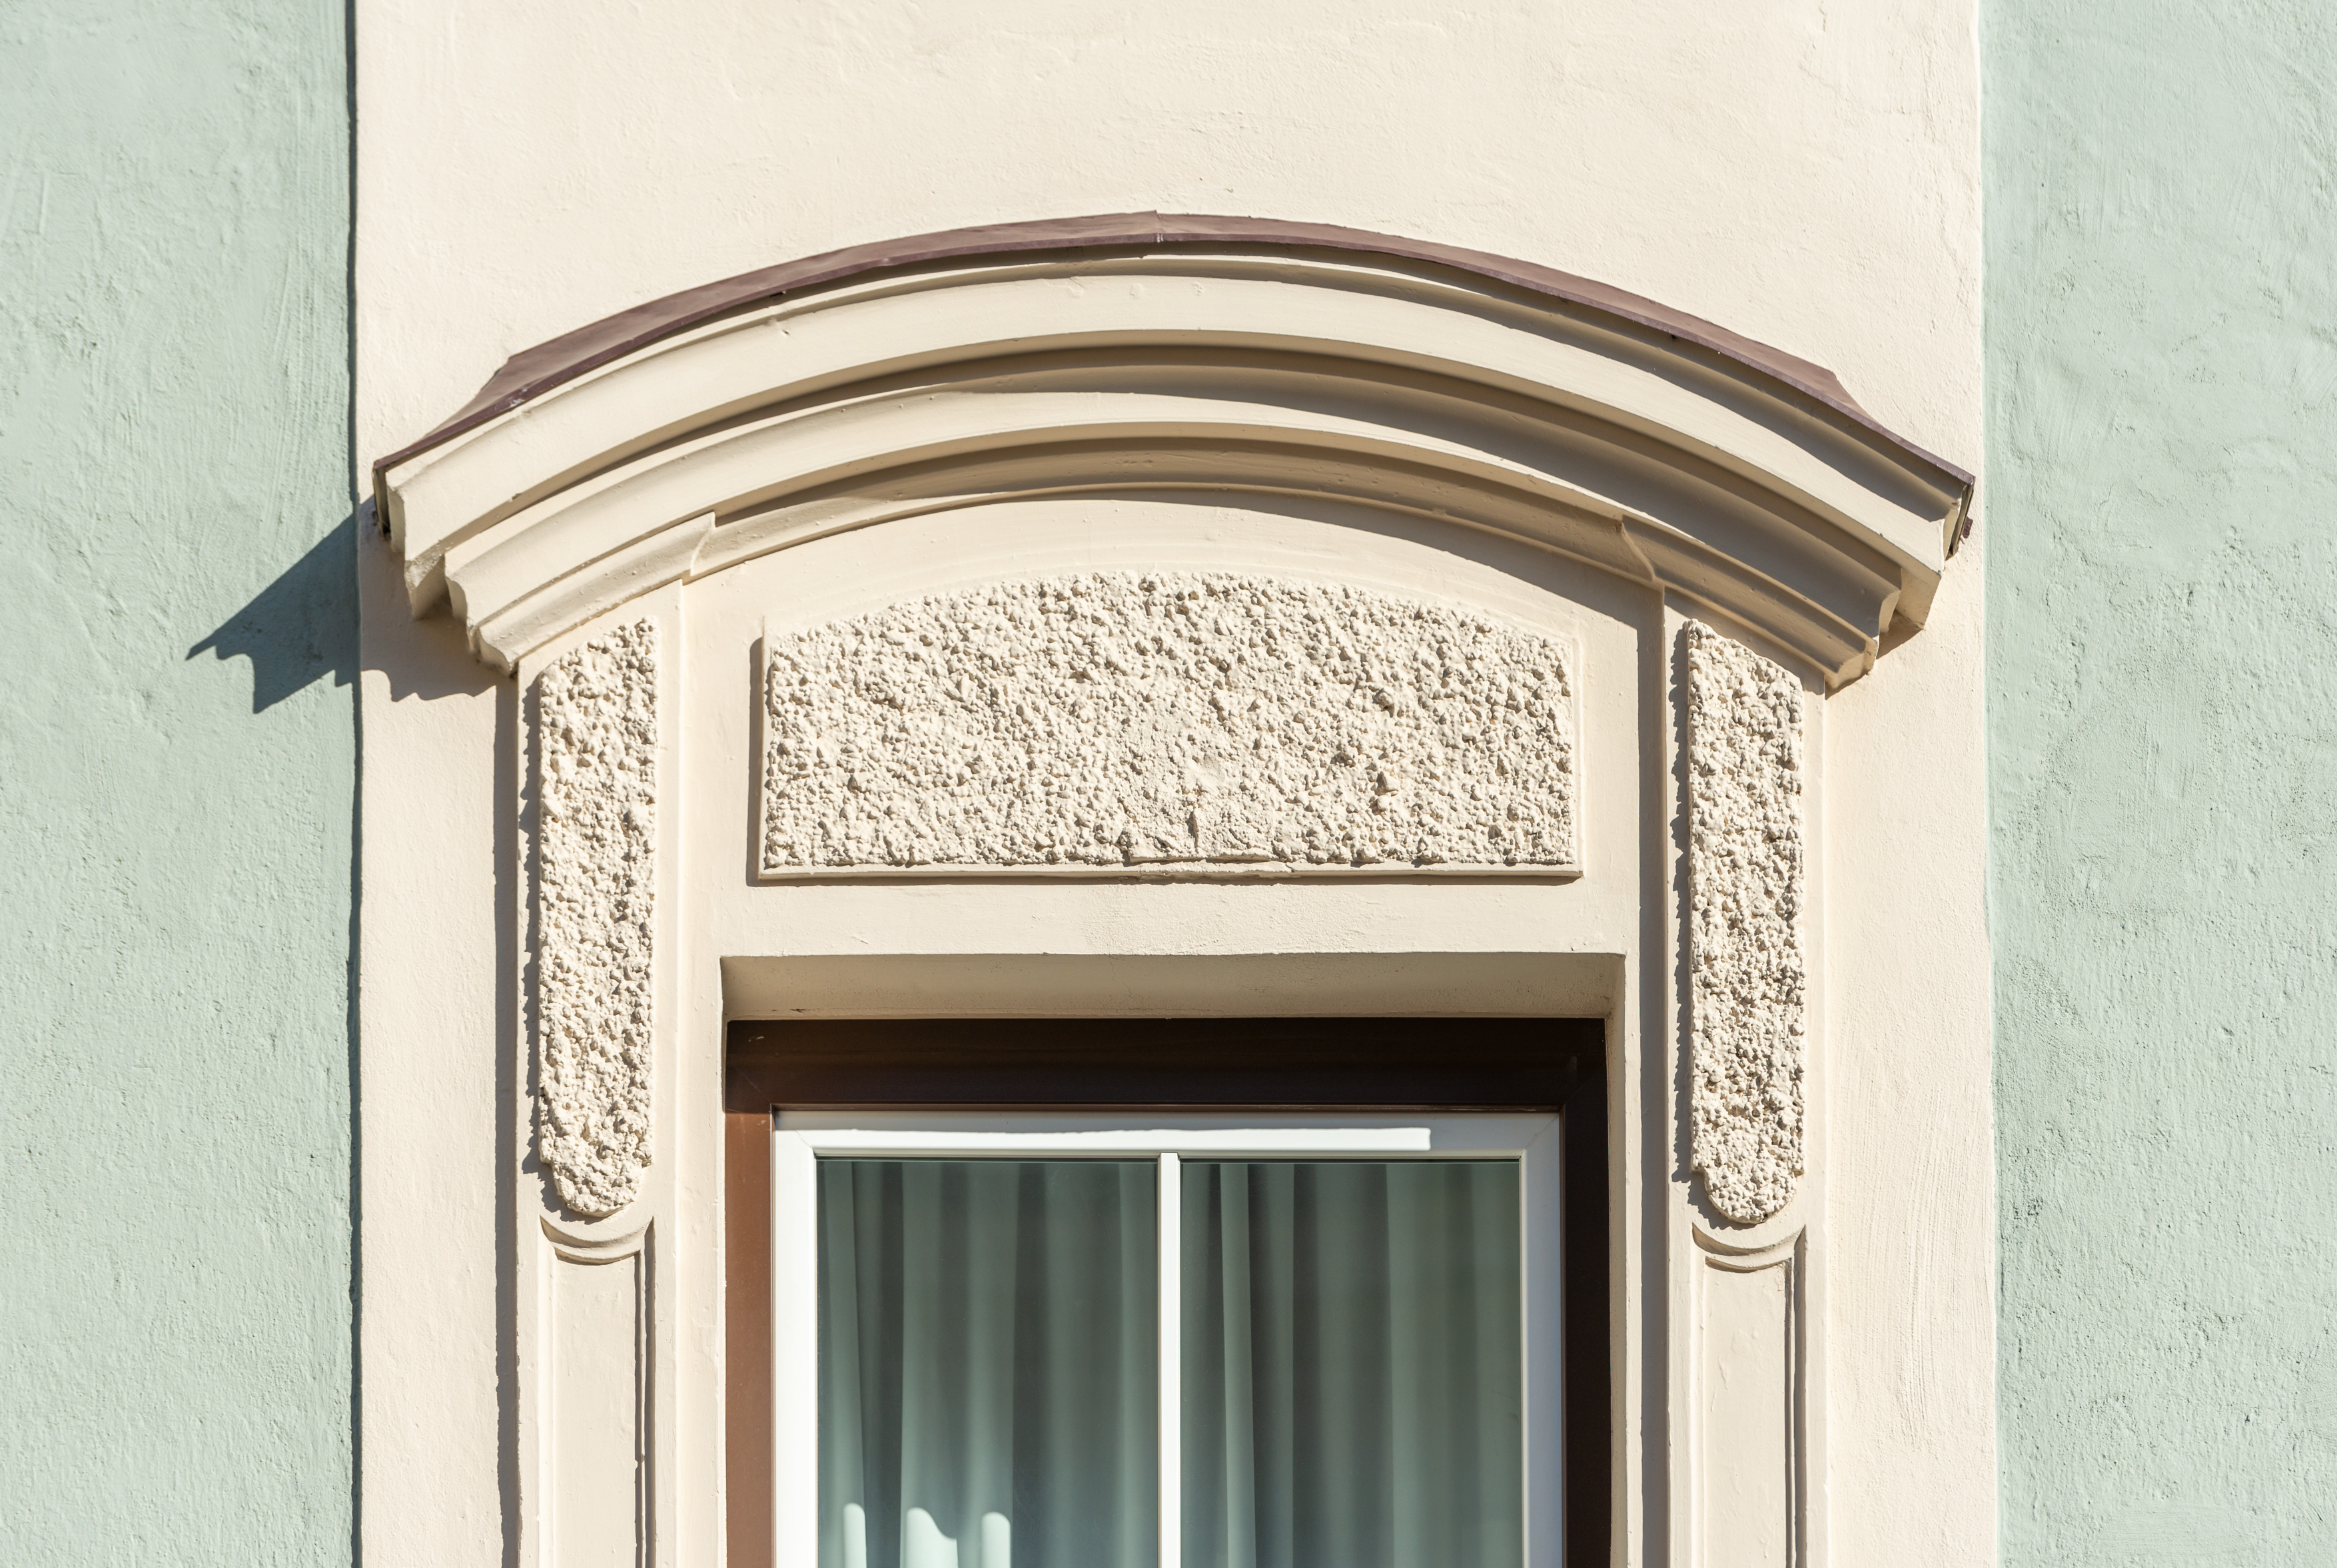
{"x":1166,"y":1064}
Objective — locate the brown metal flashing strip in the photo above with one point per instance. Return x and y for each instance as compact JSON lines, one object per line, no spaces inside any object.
{"x":536,"y":370}
{"x":1555,"y":1064}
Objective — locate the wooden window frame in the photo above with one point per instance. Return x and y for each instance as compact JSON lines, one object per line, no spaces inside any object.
{"x":1288,"y":1063}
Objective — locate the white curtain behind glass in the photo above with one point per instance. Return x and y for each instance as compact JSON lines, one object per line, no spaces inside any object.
{"x":1351,"y":1369}
{"x":988,"y":1391}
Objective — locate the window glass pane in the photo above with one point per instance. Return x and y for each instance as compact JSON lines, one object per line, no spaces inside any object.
{"x":1351,"y":1369}
{"x":988,"y":1381}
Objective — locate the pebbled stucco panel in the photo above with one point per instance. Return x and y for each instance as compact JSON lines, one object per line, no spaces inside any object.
{"x":596,"y":905}
{"x":1210,"y":723}
{"x":1747,"y":991}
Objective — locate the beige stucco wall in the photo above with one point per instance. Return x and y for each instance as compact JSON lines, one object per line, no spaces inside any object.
{"x":1802,"y":174}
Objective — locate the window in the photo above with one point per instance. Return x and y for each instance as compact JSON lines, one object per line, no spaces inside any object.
{"x":1129,"y":1336}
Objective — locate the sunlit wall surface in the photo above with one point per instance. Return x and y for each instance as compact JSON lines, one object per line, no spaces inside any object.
{"x":2161,"y":474}
{"x":176,"y":775}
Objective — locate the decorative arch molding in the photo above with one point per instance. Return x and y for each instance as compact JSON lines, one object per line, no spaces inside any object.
{"x":1146,"y":352}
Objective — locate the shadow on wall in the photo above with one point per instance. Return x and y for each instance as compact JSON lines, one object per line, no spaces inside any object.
{"x":301,"y":628}
{"x":296,"y":631}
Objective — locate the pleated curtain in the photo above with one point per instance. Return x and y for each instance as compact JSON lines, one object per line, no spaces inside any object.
{"x":1351,"y":1388}
{"x":1350,"y":1356}
{"x":988,"y":1380}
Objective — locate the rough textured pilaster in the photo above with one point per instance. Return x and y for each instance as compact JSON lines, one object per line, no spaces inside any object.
{"x":1746,"y":996}
{"x":596,"y":905}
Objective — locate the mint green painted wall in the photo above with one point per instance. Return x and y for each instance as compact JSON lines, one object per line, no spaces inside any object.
{"x":2161,"y":571}
{"x":176,"y":769}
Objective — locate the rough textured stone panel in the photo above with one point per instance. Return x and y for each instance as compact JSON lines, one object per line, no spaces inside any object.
{"x":1206,"y":724}
{"x":596,"y":899}
{"x":1747,"y":1000}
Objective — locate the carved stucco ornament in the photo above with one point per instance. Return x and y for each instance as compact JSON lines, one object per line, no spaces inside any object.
{"x":1746,"y":875}
{"x":1183,"y":724}
{"x":596,"y":901}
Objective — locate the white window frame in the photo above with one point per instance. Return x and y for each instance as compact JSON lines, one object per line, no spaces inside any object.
{"x":799,"y":1138}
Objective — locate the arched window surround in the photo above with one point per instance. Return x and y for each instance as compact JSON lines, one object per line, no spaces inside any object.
{"x":575,"y":517}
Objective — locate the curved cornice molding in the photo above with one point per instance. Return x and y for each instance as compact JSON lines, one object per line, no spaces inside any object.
{"x":1143,"y":353}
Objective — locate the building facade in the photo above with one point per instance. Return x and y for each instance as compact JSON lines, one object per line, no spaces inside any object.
{"x":1625,"y":595}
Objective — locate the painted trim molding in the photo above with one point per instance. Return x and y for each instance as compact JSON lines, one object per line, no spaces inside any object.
{"x":1747,"y":1002}
{"x":669,"y":445}
{"x":1191,"y":724}
{"x":595,"y":916}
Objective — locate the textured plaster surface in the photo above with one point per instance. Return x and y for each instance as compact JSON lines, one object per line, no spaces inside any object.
{"x":439,"y":1012}
{"x":1747,"y":1002}
{"x":596,"y":909}
{"x":1899,"y":1125}
{"x":176,"y":772}
{"x":2161,"y":450}
{"x":1115,"y":720}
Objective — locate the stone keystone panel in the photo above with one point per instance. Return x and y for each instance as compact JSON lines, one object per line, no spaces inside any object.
{"x":1746,"y":996}
{"x":595,"y":916}
{"x":1121,"y":724}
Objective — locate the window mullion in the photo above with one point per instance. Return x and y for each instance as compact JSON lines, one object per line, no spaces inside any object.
{"x":1172,"y":1510}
